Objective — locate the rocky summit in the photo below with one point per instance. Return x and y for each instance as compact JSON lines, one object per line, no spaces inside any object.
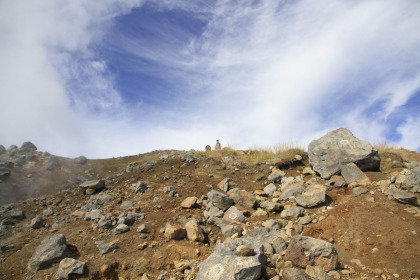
{"x":342,"y":210}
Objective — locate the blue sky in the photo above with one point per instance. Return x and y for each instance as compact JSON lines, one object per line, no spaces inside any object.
{"x":124,"y":77}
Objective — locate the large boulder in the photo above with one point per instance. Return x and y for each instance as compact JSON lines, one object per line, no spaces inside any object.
{"x":402,"y":196}
{"x":51,"y":250}
{"x":225,"y":263}
{"x":337,"y":148}
{"x":410,"y":180}
{"x":304,"y":250}
{"x":353,"y":175}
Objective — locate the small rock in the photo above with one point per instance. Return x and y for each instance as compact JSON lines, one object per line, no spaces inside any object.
{"x":189,"y":202}
{"x":127,"y":204}
{"x":194,"y":231}
{"x":220,"y":200}
{"x":143,"y":229}
{"x":243,"y":198}
{"x":17,"y":214}
{"x":352,"y":174}
{"x":108,"y":247}
{"x":270,"y":189}
{"x":276,"y":175}
{"x":121,"y":228}
{"x":37,"y":222}
{"x":93,"y":184}
{"x":225,"y":184}
{"x":291,"y":273}
{"x":359,"y":190}
{"x":292,"y":213}
{"x":272,"y":224}
{"x":140,"y":187}
{"x":308,"y":171}
{"x":69,"y":266}
{"x":402,"y":196}
{"x":47,"y":212}
{"x":142,"y":246}
{"x":176,"y":232}
{"x":316,"y":272}
{"x":315,"y":195}
{"x":244,"y":251}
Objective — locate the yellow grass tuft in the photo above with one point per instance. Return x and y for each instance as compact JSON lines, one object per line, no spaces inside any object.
{"x":386,"y":147}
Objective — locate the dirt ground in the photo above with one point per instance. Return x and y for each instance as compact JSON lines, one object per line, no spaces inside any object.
{"x":372,"y":234}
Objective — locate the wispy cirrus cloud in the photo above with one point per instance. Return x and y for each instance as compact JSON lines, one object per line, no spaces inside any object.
{"x":150,"y":75}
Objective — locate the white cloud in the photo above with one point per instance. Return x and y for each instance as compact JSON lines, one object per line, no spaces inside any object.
{"x":260,"y":73}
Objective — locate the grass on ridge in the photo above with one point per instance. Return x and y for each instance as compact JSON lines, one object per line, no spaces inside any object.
{"x":284,"y":151}
{"x":407,"y":155}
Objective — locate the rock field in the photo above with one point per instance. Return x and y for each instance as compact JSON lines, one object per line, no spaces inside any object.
{"x":342,"y":210}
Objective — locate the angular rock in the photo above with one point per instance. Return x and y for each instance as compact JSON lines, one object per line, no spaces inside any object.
{"x":328,"y":154}
{"x":243,"y":198}
{"x":304,"y":250}
{"x":194,"y":231}
{"x":272,"y":224}
{"x":51,"y":250}
{"x":27,"y":147}
{"x":316,"y":272}
{"x":143,"y":229}
{"x":107,"y":247}
{"x":48,"y":212}
{"x":93,"y":184}
{"x":127,"y":204}
{"x":291,"y":273}
{"x":37,"y":222}
{"x":176,"y":232}
{"x":270,"y":189}
{"x":104,"y":222}
{"x":271,"y":206}
{"x":276,"y":175}
{"x":17,"y":214}
{"x":224,"y":264}
{"x":359,"y":191}
{"x":272,"y":240}
{"x":293,"y":212}
{"x":352,"y":174}
{"x":411,"y":182}
{"x":220,"y":200}
{"x":121,"y":228}
{"x":402,"y":196}
{"x":225,"y":184}
{"x":233,"y":215}
{"x":229,"y":230}
{"x":80,"y":160}
{"x":4,"y":173}
{"x":314,"y":196}
{"x":337,"y":181}
{"x":69,"y":266}
{"x":51,"y":163}
{"x":189,"y":202}
{"x":308,"y":171}
{"x":140,"y":187}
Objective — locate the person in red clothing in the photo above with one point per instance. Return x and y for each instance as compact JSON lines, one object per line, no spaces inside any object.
{"x":218,"y":146}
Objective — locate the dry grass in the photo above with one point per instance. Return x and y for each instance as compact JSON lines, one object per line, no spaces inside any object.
{"x":257,"y":154}
{"x":407,"y":155}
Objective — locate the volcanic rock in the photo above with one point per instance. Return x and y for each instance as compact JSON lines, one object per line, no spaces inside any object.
{"x":51,"y":250}
{"x":337,"y":148}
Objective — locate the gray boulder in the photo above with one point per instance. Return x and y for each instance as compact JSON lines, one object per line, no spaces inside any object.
{"x":27,"y":147}
{"x":304,"y":250}
{"x":224,"y":264}
{"x":93,"y":184}
{"x":243,"y":198}
{"x":272,"y":240}
{"x":17,"y":214}
{"x":80,"y":160}
{"x":314,"y":196}
{"x":402,"y":196}
{"x":69,"y":266}
{"x":51,"y":250}
{"x":331,"y":152}
{"x":270,"y":189}
{"x":233,"y":215}
{"x":220,"y":200}
{"x":51,"y":163}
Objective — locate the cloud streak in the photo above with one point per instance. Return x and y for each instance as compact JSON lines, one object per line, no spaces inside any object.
{"x":130,"y":77}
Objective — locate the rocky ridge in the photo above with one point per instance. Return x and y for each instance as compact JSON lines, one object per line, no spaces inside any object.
{"x":196,"y":215}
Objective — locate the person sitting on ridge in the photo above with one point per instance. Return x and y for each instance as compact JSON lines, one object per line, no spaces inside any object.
{"x":218,"y":146}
